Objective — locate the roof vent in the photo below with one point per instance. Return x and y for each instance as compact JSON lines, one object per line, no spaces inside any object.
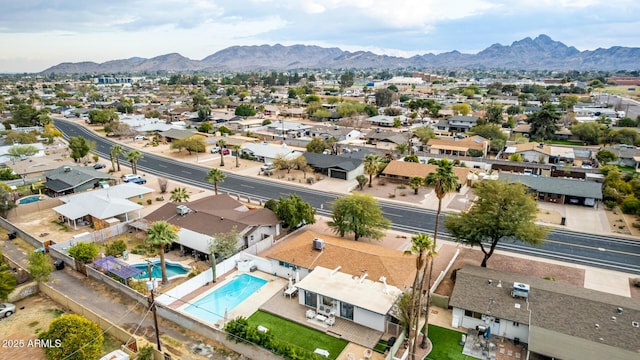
{"x":318,"y":244}
{"x":597,"y":326}
{"x":499,"y":284}
{"x":517,"y":306}
{"x":489,"y":282}
{"x":67,"y":169}
{"x":620,"y":310}
{"x":613,"y":318}
{"x":635,"y":324}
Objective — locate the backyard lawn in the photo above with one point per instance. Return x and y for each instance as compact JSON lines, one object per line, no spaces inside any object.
{"x":298,"y":335}
{"x":446,"y":344}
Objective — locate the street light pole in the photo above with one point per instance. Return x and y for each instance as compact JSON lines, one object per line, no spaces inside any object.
{"x":151,"y":286}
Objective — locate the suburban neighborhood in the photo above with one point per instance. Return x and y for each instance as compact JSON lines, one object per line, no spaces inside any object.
{"x":317,"y":214}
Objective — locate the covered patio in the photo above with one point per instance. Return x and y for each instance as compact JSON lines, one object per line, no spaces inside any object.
{"x":117,"y":267}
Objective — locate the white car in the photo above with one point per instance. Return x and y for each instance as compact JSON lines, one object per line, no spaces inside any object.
{"x":215,"y":149}
{"x":139,"y":137}
{"x":267,"y":166}
{"x":7,"y":309}
{"x":129,"y":177}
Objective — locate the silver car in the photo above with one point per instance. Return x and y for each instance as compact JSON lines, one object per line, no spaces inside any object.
{"x":7,"y":309}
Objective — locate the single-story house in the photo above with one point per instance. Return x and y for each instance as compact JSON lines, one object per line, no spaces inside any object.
{"x":362,"y":287}
{"x":336,"y":132}
{"x":5,"y":157}
{"x":559,"y":190}
{"x":404,"y":171}
{"x":556,"y":320}
{"x":457,"y":124}
{"x":177,"y":134}
{"x":541,"y":153}
{"x":265,"y":152}
{"x":386,"y":120}
{"x":103,"y":207}
{"x":628,"y":155}
{"x":335,"y":166}
{"x":377,"y":136}
{"x":288,"y":128}
{"x":74,"y":179}
{"x":459,"y":147}
{"x":201,"y":219}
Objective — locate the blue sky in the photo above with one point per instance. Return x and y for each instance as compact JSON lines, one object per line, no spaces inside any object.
{"x":35,"y":35}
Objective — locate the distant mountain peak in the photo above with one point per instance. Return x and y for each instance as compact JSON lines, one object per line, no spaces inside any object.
{"x":540,"y":53}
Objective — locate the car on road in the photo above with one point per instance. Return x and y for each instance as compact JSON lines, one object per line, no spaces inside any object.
{"x":6,"y":309}
{"x":129,"y":177}
{"x":138,"y":180}
{"x":99,"y":166}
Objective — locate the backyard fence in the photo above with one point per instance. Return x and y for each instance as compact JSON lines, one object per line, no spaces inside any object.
{"x":30,"y":239}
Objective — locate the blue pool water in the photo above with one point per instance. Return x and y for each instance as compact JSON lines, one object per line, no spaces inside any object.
{"x":173,"y":269}
{"x":29,"y":199}
{"x":211,"y":308}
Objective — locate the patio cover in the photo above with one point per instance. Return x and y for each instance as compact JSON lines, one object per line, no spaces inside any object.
{"x":370,"y":295}
{"x":117,"y":267}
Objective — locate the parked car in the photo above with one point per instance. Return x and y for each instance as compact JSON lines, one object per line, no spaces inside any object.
{"x":226,"y":151}
{"x":99,"y":166}
{"x":129,"y":177}
{"x":139,"y":137}
{"x":267,"y":166}
{"x":215,"y":149}
{"x":6,"y":309}
{"x":139,"y":180}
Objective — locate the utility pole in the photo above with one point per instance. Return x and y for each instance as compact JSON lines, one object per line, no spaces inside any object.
{"x":151,"y":286}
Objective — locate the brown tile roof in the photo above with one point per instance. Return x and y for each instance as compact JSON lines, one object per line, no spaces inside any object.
{"x":411,"y":169}
{"x":472,"y":142}
{"x":214,"y":214}
{"x":533,"y":146}
{"x":354,"y":257}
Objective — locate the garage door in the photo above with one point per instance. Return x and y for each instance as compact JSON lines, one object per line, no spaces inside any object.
{"x":338,"y":174}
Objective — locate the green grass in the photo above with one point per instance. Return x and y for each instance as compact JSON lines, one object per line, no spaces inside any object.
{"x":298,"y":335}
{"x":381,"y":346}
{"x":446,"y":344}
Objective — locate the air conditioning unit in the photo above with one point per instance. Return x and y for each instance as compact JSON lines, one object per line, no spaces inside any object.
{"x":182,"y":210}
{"x":318,"y":244}
{"x":520,"y":290}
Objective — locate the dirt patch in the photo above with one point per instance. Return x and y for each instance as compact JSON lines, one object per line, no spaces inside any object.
{"x":559,"y":273}
{"x":33,"y":315}
{"x":549,"y":216}
{"x":621,"y":223}
{"x":634,"y":290}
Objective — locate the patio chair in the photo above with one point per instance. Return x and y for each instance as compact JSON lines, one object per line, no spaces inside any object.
{"x":311,"y":314}
{"x":330,"y":321}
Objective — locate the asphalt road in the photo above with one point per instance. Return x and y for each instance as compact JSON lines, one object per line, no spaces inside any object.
{"x":609,"y":252}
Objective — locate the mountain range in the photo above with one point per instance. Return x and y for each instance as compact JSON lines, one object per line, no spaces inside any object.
{"x":541,"y":53}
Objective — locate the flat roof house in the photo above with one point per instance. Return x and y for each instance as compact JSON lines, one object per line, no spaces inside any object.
{"x":559,"y":190}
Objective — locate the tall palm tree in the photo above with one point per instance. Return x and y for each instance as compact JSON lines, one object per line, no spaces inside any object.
{"x":179,"y":195}
{"x":215,"y":176}
{"x":160,"y":234}
{"x":402,"y":148}
{"x":236,"y":149}
{"x":116,"y":151}
{"x":133,"y":156}
{"x":444,"y":181}
{"x":222,"y":145}
{"x":371,"y":165}
{"x":419,"y":245}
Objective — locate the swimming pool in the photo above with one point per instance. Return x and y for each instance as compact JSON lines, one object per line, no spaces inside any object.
{"x":212,"y":306}
{"x":173,"y":269}
{"x":29,"y":199}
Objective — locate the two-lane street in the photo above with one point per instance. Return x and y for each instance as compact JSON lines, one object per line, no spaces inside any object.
{"x":610,"y":252}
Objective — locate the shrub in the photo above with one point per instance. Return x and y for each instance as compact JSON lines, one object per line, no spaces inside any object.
{"x":149,"y":201}
{"x":115,"y":248}
{"x":636,"y":282}
{"x":630,"y":205}
{"x":610,"y":204}
{"x":84,"y":252}
{"x":160,"y":198}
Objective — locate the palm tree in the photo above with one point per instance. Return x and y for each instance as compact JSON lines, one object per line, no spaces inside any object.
{"x":215,"y":176}
{"x":430,"y":252}
{"x":133,"y":156}
{"x":371,"y":165}
{"x":444,"y":180}
{"x":160,"y":234}
{"x":222,"y":145}
{"x":236,"y":149}
{"x":419,"y":245}
{"x":179,"y":195}
{"x":116,"y":151}
{"x":402,"y":148}
{"x":415,"y":183}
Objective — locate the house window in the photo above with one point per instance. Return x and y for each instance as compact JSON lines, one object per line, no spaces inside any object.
{"x":346,"y":311}
{"x":284,"y":264}
{"x":472,"y":314}
{"x":310,"y":299}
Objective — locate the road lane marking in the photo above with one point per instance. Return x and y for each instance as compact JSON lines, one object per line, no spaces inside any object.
{"x":187,"y":172}
{"x":249,"y":186}
{"x":593,"y":248}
